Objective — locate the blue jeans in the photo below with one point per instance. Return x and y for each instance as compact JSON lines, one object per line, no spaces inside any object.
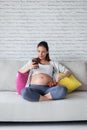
{"x":33,"y":92}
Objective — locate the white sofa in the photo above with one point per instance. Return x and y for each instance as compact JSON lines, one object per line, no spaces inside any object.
{"x":13,"y":108}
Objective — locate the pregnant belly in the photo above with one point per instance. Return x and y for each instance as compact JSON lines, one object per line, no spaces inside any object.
{"x":41,"y":79}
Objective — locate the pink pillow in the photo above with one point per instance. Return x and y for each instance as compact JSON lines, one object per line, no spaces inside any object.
{"x":21,"y":81}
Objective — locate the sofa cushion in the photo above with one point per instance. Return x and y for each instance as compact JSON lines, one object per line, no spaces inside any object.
{"x":8,"y":73}
{"x":14,"y":108}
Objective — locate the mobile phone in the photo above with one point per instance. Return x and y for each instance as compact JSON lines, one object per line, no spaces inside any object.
{"x":35,"y":61}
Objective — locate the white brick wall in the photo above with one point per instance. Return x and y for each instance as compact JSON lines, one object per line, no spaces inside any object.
{"x":62,"y":23}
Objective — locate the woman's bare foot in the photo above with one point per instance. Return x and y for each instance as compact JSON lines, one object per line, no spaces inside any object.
{"x":43,"y":98}
{"x":46,"y":97}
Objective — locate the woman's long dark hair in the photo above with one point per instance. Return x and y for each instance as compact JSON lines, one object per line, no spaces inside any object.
{"x":44,"y":44}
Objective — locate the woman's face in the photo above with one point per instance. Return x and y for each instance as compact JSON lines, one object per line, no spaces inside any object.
{"x":42,"y":52}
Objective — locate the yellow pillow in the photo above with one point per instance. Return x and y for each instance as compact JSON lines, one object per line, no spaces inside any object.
{"x":70,"y":82}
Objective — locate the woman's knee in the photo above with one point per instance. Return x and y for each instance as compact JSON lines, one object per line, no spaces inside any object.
{"x":63,"y":91}
{"x":30,"y":95}
{"x":24,"y":92}
{"x":59,"y":92}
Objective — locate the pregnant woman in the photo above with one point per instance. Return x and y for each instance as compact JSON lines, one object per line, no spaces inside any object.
{"x":44,"y":77}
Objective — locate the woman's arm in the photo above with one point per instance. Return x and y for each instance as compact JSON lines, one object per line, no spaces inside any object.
{"x":24,"y":70}
{"x":53,"y":83}
{"x":28,"y":68}
{"x":66,"y":74}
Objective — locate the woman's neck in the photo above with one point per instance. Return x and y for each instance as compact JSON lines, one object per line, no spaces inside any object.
{"x":44,"y":61}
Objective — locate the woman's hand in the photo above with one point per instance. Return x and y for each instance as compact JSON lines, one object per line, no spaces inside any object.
{"x":33,"y":66}
{"x":52,"y":83}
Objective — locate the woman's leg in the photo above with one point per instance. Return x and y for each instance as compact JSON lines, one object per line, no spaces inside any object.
{"x":43,"y":93}
{"x":57,"y":92}
{"x":34,"y":93}
{"x":29,"y":94}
